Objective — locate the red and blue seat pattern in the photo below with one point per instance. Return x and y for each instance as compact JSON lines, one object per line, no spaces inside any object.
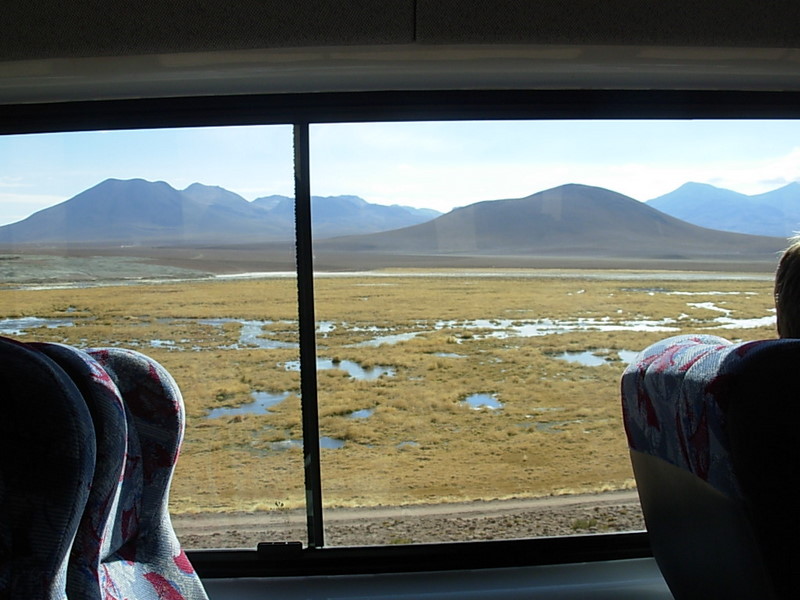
{"x":712,"y":431}
{"x":115,"y":418}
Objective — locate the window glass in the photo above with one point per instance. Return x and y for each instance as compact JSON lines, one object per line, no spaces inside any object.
{"x":480,"y":286}
{"x":178,"y":244}
{"x":469,"y":365}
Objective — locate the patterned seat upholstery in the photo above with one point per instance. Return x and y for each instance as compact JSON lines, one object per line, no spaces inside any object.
{"x":711,"y":431}
{"x":132,"y":413}
{"x":94,"y":541}
{"x":144,"y":559}
{"x":47,"y":457}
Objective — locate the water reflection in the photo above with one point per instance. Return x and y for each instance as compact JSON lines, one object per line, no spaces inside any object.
{"x":353,"y":369}
{"x":326,"y":442}
{"x":286,"y":444}
{"x":627,"y":356}
{"x":262,"y":402}
{"x":361,"y":414}
{"x":330,"y":443}
{"x":587,"y":358}
{"x":325,"y":327}
{"x":506,"y":328}
{"x":727,"y":322}
{"x":389,"y":339}
{"x":596,"y":358}
{"x":479,"y":401}
{"x":19,"y":326}
{"x":251,"y":333}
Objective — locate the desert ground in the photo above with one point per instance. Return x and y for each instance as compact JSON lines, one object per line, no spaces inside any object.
{"x":457,"y":402}
{"x":418,"y":524}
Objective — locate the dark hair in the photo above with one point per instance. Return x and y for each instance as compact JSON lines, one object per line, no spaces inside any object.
{"x":787,"y":291}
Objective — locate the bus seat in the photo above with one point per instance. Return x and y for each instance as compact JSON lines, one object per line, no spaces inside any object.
{"x":152,"y":564}
{"x":94,"y":543}
{"x":47,"y":459}
{"x":711,"y":432}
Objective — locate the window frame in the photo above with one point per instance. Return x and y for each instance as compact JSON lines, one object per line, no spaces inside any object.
{"x":302,"y":110}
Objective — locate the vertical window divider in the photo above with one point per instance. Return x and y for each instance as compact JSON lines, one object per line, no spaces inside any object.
{"x":307,"y":332}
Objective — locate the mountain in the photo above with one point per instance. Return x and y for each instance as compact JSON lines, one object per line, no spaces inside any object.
{"x":210,"y":195}
{"x":775,"y":213}
{"x":567,"y":221}
{"x":342,"y":215}
{"x":570,"y":220}
{"x":135,"y":212}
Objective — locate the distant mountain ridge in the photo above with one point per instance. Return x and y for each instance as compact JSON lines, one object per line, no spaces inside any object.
{"x":343,"y":215}
{"x":132,"y":212}
{"x":774,"y":213}
{"x":569,"y":220}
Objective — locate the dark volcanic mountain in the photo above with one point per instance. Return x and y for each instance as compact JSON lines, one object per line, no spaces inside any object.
{"x":774,"y":213}
{"x":136,"y":212}
{"x":570,"y":220}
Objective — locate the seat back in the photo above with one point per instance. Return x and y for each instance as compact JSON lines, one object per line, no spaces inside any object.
{"x":710,"y":445}
{"x":762,"y":416}
{"x":145,"y":559}
{"x":94,"y":538}
{"x":87,"y":448}
{"x":47,"y":459}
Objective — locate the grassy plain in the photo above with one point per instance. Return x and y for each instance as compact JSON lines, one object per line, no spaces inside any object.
{"x":559,"y":428}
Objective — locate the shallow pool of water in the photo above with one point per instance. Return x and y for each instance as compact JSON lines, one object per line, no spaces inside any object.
{"x":251,"y":333}
{"x":479,"y":401}
{"x":361,"y":414}
{"x":286,"y":444}
{"x":324,"y":442}
{"x":507,"y":328}
{"x":353,"y":369}
{"x":262,"y":402}
{"x":388,"y":340}
{"x":19,"y":326}
{"x":596,"y":358}
{"x":330,"y":443}
{"x":627,"y":356}
{"x":587,"y":358}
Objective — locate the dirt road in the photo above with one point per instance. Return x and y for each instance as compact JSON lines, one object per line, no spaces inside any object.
{"x":497,"y":519}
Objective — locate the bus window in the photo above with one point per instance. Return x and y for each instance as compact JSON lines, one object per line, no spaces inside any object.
{"x":479,"y":288}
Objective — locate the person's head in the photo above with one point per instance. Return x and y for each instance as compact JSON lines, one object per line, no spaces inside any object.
{"x":787,"y":291}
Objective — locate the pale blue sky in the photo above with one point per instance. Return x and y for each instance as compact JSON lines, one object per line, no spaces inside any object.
{"x":437,"y":165}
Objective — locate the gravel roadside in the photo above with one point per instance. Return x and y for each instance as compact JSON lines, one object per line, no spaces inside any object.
{"x":499,"y":519}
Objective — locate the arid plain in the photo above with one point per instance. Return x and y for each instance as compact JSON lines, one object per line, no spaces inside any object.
{"x":435,"y":385}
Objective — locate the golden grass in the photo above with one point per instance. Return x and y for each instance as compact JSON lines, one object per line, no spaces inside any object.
{"x":559,"y":430}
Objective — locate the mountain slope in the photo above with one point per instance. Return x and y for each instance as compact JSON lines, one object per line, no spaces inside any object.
{"x":570,"y":220}
{"x":344,"y":215}
{"x":775,"y":213}
{"x":136,"y":212}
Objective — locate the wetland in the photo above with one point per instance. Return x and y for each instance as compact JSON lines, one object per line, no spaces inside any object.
{"x":434,"y":386}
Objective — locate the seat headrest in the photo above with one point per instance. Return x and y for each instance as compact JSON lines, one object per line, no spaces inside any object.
{"x":94,"y":540}
{"x":47,"y":460}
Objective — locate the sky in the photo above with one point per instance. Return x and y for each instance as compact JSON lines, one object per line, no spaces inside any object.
{"x":438,"y":165}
